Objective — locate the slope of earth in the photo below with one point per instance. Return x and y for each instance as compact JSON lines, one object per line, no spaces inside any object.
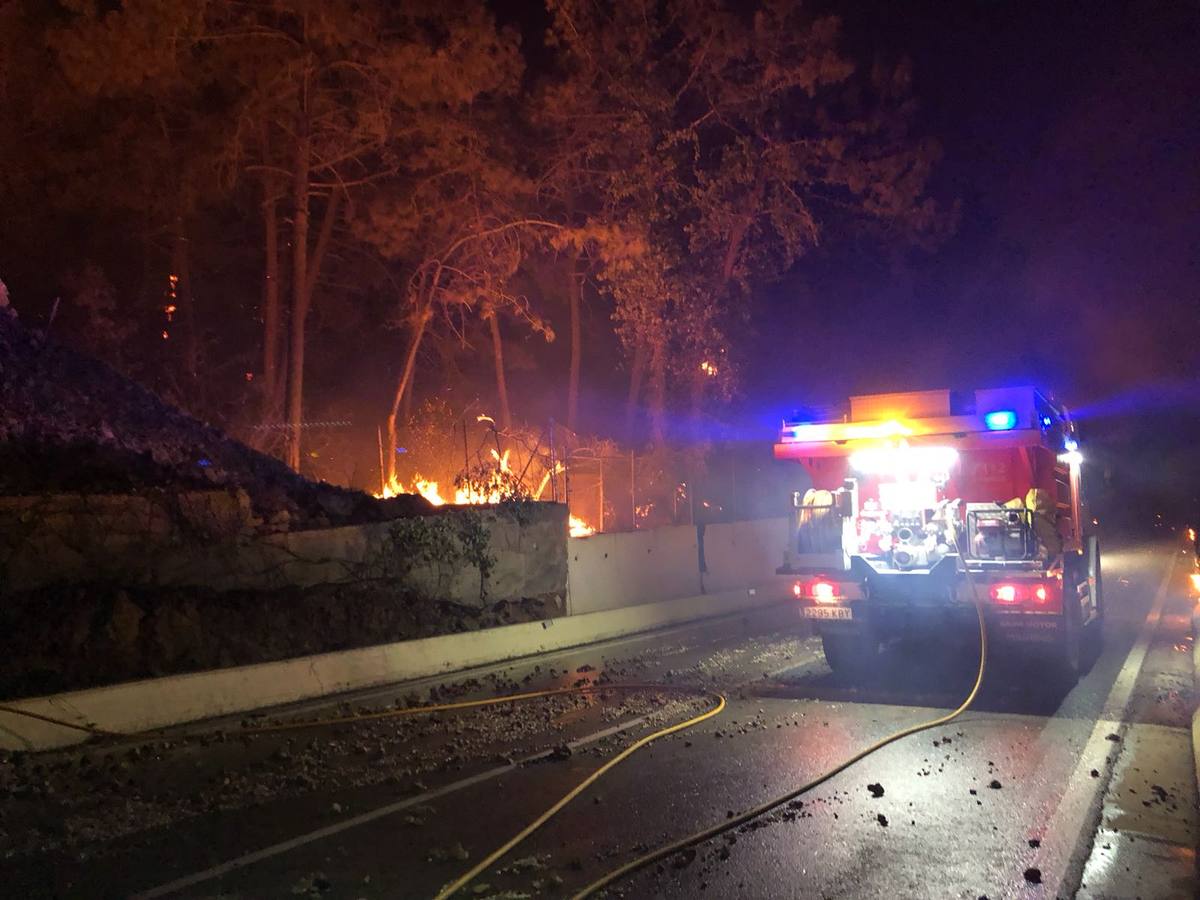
{"x":69,"y":423}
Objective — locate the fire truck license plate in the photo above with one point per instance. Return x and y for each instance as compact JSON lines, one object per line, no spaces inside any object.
{"x":828,"y":612}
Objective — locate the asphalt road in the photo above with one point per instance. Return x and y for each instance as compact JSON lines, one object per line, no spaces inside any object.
{"x":1092,"y":785}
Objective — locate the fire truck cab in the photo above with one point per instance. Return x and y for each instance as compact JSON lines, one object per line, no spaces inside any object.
{"x":925,"y":503}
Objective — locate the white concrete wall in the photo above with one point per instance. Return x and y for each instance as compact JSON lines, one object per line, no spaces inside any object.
{"x":609,"y":571}
{"x":740,"y":554}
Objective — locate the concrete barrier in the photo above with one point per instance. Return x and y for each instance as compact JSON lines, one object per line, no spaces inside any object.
{"x":157,"y":703}
{"x":608,"y":571}
{"x":1196,"y":692}
{"x":738,"y":553}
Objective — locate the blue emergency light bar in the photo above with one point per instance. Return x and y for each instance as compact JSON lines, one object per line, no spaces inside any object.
{"x":1000,"y":420}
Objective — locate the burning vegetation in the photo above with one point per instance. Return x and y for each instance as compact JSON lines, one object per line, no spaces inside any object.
{"x":487,"y":477}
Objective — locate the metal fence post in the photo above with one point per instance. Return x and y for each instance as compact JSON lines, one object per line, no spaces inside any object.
{"x":633,"y":488}
{"x":553,"y":474}
{"x":732,"y":488}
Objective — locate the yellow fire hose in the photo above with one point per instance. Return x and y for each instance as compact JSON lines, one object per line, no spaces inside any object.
{"x":383,"y":714}
{"x":541,"y":820}
{"x":752,"y":813}
{"x":529,"y":695}
{"x":628,"y":686}
{"x":738,"y":819}
{"x":648,"y":858}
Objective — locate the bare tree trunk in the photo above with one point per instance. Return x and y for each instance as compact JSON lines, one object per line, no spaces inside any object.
{"x":185,"y":300}
{"x":406,"y":407}
{"x":733,"y":249}
{"x":274,"y":346}
{"x":324,"y":236}
{"x":698,"y":379}
{"x":501,"y":381}
{"x":420,"y":321}
{"x":637,"y":372}
{"x":302,"y":304}
{"x":575,"y":300}
{"x":696,"y":402}
{"x":658,"y":394}
{"x":300,"y":217}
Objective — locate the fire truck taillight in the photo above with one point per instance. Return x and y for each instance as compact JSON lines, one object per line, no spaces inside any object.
{"x":1039,"y":594}
{"x":798,"y":590}
{"x":822,"y":591}
{"x":1008,"y":593}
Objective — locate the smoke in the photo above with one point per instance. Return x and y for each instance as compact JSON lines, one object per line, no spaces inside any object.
{"x":1160,"y":396}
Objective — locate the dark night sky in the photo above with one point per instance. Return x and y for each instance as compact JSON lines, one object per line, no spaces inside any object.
{"x":1070,"y":134}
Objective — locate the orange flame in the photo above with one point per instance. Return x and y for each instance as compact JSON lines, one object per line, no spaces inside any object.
{"x":468,"y":496}
{"x":580,"y":528}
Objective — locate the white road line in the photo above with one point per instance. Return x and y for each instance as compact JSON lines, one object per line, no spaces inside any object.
{"x":247,"y":859}
{"x":1071,"y":827}
{"x":239,"y":862}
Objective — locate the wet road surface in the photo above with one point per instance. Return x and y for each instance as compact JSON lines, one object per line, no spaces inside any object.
{"x":1088,"y":790}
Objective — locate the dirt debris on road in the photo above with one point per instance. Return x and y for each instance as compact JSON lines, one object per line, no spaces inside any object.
{"x":82,"y":800}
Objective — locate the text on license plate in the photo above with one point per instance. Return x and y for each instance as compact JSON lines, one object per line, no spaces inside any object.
{"x":828,"y":612}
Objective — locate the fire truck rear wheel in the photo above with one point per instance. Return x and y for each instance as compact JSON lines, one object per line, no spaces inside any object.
{"x":1068,"y":653}
{"x":1093,"y":631}
{"x":852,"y":654}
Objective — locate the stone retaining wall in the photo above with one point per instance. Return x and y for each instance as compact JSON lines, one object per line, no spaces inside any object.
{"x":98,"y":589}
{"x":209,"y":539}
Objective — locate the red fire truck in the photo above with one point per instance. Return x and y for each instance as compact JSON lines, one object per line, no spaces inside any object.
{"x":924,"y":503}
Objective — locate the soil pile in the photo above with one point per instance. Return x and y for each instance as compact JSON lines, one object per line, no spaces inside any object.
{"x":69,"y":424}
